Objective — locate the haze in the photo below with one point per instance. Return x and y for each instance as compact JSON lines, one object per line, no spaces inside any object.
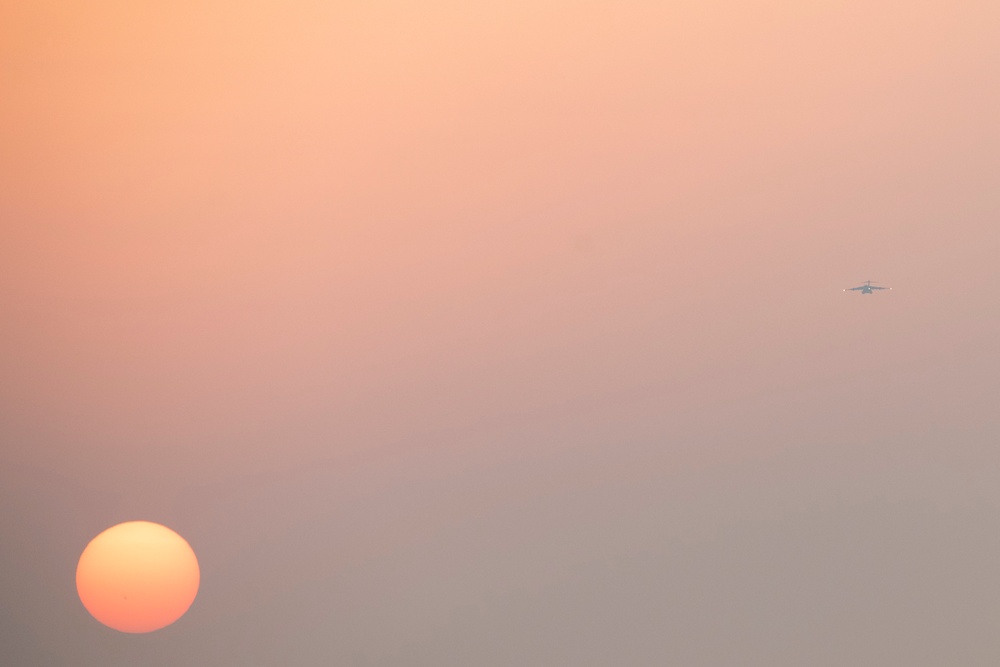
{"x":506,"y":333}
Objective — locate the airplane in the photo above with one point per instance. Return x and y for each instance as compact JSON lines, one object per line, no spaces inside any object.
{"x":867,"y":288}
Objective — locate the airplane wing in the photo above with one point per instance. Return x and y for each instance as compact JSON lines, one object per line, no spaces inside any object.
{"x":855,"y":289}
{"x":874,"y":287}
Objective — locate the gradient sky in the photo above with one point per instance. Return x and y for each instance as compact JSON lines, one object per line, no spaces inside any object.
{"x":506,"y":333}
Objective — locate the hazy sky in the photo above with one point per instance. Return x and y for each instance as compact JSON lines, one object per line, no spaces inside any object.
{"x":506,"y":333}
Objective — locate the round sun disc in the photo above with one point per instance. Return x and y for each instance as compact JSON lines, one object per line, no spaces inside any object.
{"x":137,"y":576}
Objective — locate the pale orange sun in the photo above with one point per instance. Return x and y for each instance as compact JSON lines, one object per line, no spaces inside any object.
{"x":137,"y":576}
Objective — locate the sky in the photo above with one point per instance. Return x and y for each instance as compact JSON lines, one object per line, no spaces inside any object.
{"x":496,"y":334}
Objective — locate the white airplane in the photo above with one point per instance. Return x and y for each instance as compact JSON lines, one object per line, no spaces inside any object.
{"x":867,"y":288}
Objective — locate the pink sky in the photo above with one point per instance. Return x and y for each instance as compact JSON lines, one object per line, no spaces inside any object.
{"x":439,"y":274}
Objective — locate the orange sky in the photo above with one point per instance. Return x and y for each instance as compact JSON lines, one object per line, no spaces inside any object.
{"x":247,"y":241}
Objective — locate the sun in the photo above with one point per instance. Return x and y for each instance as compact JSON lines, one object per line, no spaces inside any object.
{"x":137,"y":576}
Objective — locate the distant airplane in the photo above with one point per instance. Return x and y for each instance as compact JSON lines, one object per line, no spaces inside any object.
{"x":867,"y":288}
